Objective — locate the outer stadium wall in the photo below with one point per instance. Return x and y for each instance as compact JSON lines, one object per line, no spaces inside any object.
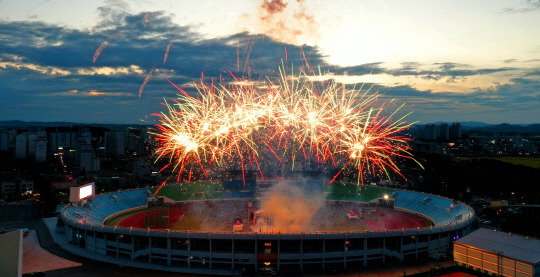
{"x":224,"y":252}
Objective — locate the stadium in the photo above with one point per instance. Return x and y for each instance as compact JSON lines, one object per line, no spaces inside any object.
{"x":209,"y":228}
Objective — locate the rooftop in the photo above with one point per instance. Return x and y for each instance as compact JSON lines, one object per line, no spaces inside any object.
{"x":518,"y":247}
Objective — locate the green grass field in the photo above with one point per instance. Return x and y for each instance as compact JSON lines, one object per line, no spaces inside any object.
{"x":214,"y":190}
{"x":198,"y":219}
{"x":526,"y":161}
{"x":192,"y":191}
{"x":350,"y":192}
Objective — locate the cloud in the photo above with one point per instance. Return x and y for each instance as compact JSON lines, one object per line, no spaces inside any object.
{"x":19,"y":66}
{"x":529,"y":6}
{"x":91,"y":93}
{"x":436,"y":71}
{"x":110,"y":71}
{"x":49,"y":68}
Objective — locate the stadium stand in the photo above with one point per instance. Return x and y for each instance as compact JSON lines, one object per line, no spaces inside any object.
{"x":220,"y":252}
{"x":105,"y":205}
{"x":441,"y":211}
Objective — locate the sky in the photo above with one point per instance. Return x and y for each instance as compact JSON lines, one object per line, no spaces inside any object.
{"x":88,"y":61}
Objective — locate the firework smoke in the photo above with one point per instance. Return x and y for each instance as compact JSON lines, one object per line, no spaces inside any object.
{"x":286,"y":208}
{"x":287,"y":23}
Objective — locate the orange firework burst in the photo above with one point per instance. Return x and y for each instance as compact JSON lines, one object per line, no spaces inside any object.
{"x":296,"y":115}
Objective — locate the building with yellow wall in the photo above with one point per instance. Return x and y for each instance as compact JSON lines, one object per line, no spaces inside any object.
{"x":499,"y":254}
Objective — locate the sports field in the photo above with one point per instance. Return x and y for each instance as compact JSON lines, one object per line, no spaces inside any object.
{"x":352,"y":192}
{"x":191,"y":191}
{"x":526,"y":161}
{"x":219,"y":215}
{"x":222,"y":215}
{"x":214,"y":190}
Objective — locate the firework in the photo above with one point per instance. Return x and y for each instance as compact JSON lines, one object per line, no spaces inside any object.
{"x":103,"y":45}
{"x":99,"y":50}
{"x":141,"y":89}
{"x":167,"y":52}
{"x":146,"y":18}
{"x":291,"y":118}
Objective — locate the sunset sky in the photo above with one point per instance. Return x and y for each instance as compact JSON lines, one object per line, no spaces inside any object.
{"x":446,"y":60}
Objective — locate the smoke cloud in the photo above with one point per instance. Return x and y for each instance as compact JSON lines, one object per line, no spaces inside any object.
{"x":287,"y":22}
{"x":286,"y":208}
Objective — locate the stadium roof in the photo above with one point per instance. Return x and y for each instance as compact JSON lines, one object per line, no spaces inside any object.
{"x":514,"y":246}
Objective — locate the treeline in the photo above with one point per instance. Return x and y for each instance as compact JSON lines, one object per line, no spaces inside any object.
{"x":480,"y":177}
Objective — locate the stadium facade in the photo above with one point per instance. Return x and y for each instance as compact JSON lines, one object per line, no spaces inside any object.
{"x":226,"y":252}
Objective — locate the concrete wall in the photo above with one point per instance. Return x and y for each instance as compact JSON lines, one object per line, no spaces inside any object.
{"x":260,"y":251}
{"x":11,"y":254}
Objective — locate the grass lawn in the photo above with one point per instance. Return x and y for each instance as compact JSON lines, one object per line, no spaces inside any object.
{"x":342,"y":191}
{"x":526,"y":161}
{"x":192,"y":191}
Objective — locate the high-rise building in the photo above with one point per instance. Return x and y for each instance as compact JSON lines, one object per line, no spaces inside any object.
{"x":61,"y":137}
{"x":41,"y":150}
{"x":32,"y":138}
{"x":21,"y":146}
{"x":444,"y":131}
{"x":85,"y":160}
{"x":142,"y":168}
{"x":115,"y":142}
{"x":96,"y":164}
{"x":455,"y":131}
{"x":6,"y":140}
{"x":430,"y":131}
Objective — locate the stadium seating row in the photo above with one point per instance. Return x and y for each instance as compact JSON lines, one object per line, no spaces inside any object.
{"x":96,"y":210}
{"x":441,"y":210}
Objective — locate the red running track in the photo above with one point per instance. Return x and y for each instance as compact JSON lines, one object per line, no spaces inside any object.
{"x":394,"y":220}
{"x":384,"y":220}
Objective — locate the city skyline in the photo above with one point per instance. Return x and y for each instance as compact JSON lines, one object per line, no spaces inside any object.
{"x":451,"y":61}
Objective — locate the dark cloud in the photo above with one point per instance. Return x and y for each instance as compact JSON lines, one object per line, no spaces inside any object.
{"x":534,"y":72}
{"x":448,"y":66}
{"x":33,"y":51}
{"x":410,"y":65}
{"x":518,"y":101}
{"x":369,"y":68}
{"x":47,"y":73}
{"x":447,"y":69}
{"x":431,"y":77}
{"x":528,"y":6}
